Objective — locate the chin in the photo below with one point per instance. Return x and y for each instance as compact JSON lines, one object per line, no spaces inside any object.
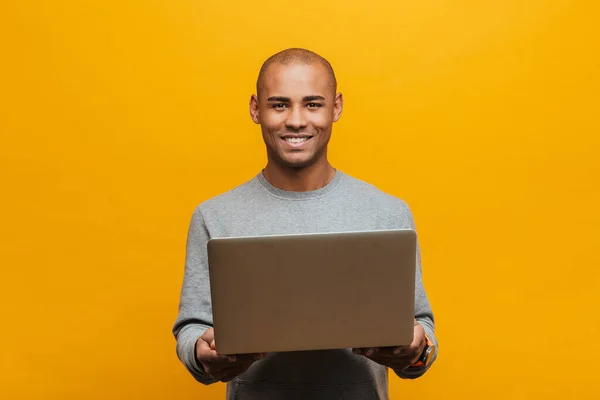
{"x":296,"y":163}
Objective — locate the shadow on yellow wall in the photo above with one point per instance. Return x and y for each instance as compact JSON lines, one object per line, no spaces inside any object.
{"x":119,"y":117}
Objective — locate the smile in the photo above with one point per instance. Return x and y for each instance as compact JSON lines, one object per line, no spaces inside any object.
{"x":296,"y":141}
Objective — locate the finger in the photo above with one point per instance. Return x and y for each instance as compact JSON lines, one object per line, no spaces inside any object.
{"x":417,"y":346}
{"x":206,"y":354}
{"x":209,"y":335}
{"x":229,"y":358}
{"x":400,"y":350}
{"x":361,"y":350}
{"x":205,"y":346}
{"x":227,"y":372}
{"x":215,"y":358}
{"x":368,"y":351}
{"x":219,"y":369}
{"x":259,"y":356}
{"x":387,"y":351}
{"x":390,"y":359}
{"x":251,"y":356}
{"x":243,"y":359}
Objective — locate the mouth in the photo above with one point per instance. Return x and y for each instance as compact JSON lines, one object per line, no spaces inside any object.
{"x":296,"y":141}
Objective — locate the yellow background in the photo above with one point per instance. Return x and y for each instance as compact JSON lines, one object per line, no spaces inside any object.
{"x":118,"y":117}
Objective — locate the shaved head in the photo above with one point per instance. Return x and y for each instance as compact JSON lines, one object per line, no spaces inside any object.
{"x":295,"y":56}
{"x":296,"y":105}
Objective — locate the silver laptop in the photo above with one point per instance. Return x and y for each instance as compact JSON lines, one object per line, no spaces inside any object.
{"x":312,"y":291}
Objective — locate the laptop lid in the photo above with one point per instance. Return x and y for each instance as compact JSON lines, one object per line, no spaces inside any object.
{"x":312,"y":291}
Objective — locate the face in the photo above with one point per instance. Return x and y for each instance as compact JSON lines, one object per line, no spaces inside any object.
{"x":296,"y":110}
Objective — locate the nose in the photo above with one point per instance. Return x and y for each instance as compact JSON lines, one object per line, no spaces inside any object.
{"x":295,"y":120}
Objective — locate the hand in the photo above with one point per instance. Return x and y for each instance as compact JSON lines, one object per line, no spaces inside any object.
{"x":222,"y":368}
{"x":401,"y":357}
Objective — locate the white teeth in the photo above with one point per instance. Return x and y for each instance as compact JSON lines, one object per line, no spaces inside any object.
{"x":296,"y":140}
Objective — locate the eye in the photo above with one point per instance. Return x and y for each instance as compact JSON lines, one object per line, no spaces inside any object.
{"x":279,"y":106}
{"x":314,"y":105}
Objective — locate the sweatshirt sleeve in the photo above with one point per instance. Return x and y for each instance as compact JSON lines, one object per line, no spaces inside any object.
{"x":423,"y":312}
{"x":195,"y":309}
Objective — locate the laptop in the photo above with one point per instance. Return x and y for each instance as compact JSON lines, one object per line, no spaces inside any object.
{"x":312,"y":291}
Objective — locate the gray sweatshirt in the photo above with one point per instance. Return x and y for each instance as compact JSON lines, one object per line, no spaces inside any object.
{"x":257,"y":208}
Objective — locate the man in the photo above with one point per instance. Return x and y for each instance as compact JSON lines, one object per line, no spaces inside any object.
{"x":298,"y":191}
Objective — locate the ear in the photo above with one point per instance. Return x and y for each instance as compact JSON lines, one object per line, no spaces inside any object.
{"x":254,"y":109}
{"x":338,"y":106}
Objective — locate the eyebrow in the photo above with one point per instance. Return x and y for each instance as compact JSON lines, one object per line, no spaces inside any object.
{"x":287,"y":99}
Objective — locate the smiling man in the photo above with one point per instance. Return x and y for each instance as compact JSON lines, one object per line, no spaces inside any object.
{"x":299,"y":191}
{"x":296,"y":105}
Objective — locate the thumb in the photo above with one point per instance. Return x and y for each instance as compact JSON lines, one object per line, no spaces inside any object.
{"x":212,"y":345}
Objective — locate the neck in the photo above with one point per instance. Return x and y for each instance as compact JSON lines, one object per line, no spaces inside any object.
{"x":304,"y":179}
